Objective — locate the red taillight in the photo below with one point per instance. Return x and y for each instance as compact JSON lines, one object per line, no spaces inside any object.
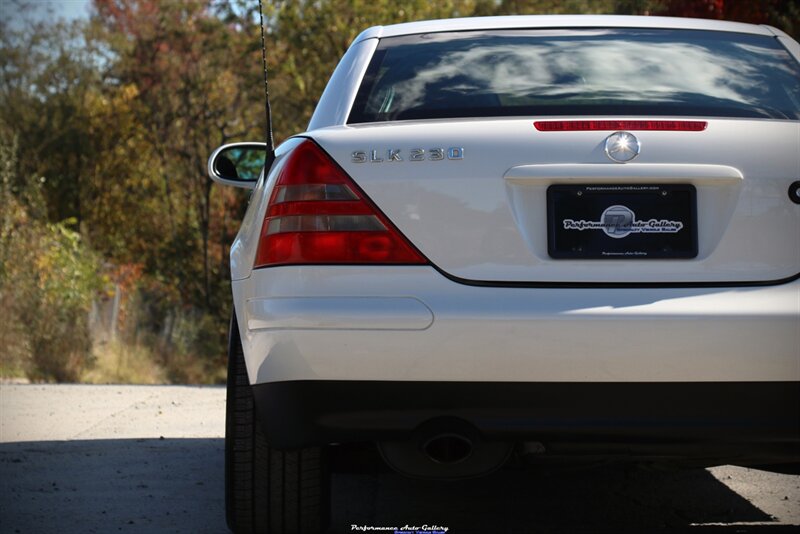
{"x":317,"y":214}
{"x":571,"y":126}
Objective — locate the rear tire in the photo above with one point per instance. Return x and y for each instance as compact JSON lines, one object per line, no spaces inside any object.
{"x":267,"y":491}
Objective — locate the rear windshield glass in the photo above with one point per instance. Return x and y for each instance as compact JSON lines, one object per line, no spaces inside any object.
{"x":578,"y":72}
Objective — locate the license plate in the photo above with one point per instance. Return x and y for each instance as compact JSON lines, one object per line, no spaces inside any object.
{"x":593,"y":221}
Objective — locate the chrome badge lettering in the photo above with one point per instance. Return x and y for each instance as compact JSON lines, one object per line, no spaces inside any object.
{"x":392,"y":155}
{"x":436,"y":154}
{"x":417,"y":154}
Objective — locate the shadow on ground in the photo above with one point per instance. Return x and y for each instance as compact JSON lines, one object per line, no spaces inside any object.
{"x":176,"y":485}
{"x":603,"y":499}
{"x":549,"y":500}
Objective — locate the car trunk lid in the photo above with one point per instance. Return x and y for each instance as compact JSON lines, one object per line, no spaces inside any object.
{"x":472,"y":196}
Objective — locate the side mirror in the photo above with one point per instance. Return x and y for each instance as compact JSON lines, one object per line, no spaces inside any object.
{"x":238,"y":164}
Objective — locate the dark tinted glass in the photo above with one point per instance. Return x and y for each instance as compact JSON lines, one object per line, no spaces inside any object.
{"x":579,"y":72}
{"x":242,"y":162}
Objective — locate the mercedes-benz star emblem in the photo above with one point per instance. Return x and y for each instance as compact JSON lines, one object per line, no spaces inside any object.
{"x":622,"y":147}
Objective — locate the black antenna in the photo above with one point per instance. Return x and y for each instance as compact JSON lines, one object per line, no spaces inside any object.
{"x":270,"y":141}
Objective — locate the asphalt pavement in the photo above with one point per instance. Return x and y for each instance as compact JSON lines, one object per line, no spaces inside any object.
{"x":79,"y":458}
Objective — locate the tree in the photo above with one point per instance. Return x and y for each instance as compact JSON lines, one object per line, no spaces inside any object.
{"x":194,"y":79}
{"x":784,"y":14}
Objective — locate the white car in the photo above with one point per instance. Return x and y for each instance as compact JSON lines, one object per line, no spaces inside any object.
{"x":559,"y":237}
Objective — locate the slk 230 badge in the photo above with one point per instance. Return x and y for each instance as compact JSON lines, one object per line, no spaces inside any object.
{"x":391,"y":155}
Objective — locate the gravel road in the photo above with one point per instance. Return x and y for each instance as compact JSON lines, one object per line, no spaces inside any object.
{"x":77,"y":458}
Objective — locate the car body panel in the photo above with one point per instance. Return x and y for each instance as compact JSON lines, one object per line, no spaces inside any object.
{"x":335,"y":102}
{"x":513,"y":334}
{"x":245,"y":245}
{"x":474,"y":224}
{"x":557,"y":21}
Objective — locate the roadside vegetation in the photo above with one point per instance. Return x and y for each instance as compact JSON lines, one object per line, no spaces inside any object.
{"x":113,"y":241}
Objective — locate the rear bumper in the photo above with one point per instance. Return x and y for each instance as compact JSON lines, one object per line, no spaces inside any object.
{"x":413,"y":324}
{"x":709,"y":422}
{"x":345,"y":354}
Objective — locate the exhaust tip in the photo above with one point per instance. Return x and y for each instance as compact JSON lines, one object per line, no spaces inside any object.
{"x":448,"y":449}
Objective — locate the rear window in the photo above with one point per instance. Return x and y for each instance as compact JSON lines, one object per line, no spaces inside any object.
{"x":578,"y":72}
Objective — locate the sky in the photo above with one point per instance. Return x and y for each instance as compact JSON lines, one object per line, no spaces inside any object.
{"x":41,"y":9}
